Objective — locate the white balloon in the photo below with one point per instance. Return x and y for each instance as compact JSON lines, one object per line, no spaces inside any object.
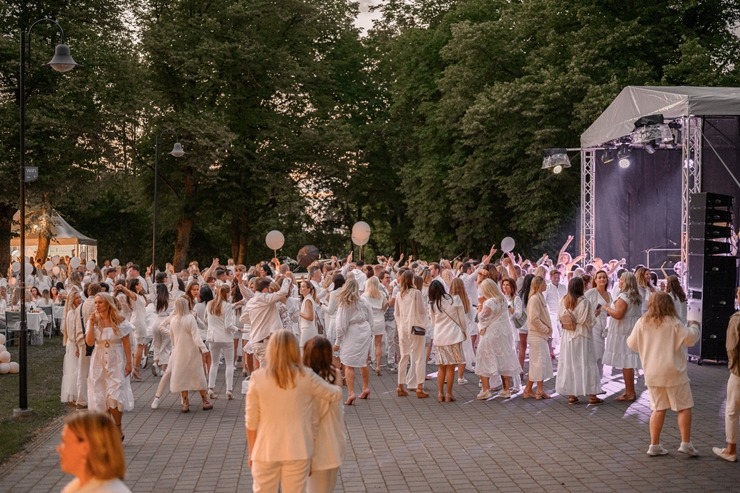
{"x":48,"y":265}
{"x":275,"y":240}
{"x":4,"y":368}
{"x":507,"y":244}
{"x":360,"y":241}
{"x":56,"y":270}
{"x":29,"y":268}
{"x":15,"y":253}
{"x":4,"y":357}
{"x":115,"y":262}
{"x":2,"y":347}
{"x":2,"y":339}
{"x":55,"y":259}
{"x":75,"y":262}
{"x":16,"y":266}
{"x":361,"y":230}
{"x":14,"y":367}
{"x":12,"y":282}
{"x":90,"y":265}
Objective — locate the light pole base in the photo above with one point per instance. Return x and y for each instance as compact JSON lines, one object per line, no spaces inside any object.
{"x":23,"y":413}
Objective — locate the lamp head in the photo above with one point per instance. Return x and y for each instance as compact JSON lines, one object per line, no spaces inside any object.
{"x":177,"y":150}
{"x":62,"y":61}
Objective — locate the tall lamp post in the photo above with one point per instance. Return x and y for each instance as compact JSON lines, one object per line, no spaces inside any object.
{"x":177,"y":151}
{"x":61,"y":62}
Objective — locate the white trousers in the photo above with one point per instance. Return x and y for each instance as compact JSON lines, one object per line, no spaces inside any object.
{"x":732,"y":408}
{"x":391,"y":341}
{"x":217,"y":349}
{"x":411,"y":348}
{"x":322,"y":481}
{"x":82,"y":376}
{"x":289,"y":476}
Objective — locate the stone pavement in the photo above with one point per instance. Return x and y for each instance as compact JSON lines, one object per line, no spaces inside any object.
{"x":406,"y":444}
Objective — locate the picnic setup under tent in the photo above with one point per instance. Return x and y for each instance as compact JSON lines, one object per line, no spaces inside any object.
{"x":66,"y":240}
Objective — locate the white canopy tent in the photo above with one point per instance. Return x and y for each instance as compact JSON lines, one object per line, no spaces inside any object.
{"x":66,"y":240}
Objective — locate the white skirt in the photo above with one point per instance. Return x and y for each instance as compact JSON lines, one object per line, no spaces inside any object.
{"x":69,"y":375}
{"x":540,"y":364}
{"x":578,"y":373}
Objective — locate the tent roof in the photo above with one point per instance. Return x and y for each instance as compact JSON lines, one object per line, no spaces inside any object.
{"x":634,"y":102}
{"x":61,"y":230}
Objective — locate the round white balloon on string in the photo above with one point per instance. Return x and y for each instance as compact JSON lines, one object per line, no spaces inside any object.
{"x":29,"y":268}
{"x":14,"y":367}
{"x":275,"y":240}
{"x":56,"y":270}
{"x":2,"y":339}
{"x":75,"y":262}
{"x":115,"y":262}
{"x":4,"y":357}
{"x":90,"y":265}
{"x":48,"y":265}
{"x":2,"y":347}
{"x":4,"y":368}
{"x":507,"y":244}
{"x":359,"y":241}
{"x":361,"y":233}
{"x":16,"y":267}
{"x":55,"y":259}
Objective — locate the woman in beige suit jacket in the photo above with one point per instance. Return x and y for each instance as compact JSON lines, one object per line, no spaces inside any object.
{"x":540,"y":330}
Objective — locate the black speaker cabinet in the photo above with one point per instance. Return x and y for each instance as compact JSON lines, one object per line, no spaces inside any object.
{"x":713,"y":307}
{"x":709,"y":231}
{"x":708,"y":200}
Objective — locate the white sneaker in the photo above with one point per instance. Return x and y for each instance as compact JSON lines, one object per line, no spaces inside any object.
{"x":462,"y":381}
{"x":155,"y":403}
{"x":482,"y":396}
{"x":688,"y":449}
{"x":655,"y":450}
{"x":504,"y":394}
{"x":720,"y":452}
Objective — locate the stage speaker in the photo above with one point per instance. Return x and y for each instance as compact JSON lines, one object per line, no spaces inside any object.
{"x":712,"y":272}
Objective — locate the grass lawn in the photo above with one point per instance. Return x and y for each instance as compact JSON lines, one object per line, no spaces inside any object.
{"x":45,"y":364}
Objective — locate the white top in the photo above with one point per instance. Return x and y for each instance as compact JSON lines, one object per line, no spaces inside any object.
{"x":285,"y":419}
{"x":308,"y":327}
{"x":331,"y":439}
{"x":376,"y":304}
{"x":263,"y":312}
{"x":221,"y":327}
{"x":553,"y":294}
{"x":96,"y":486}
{"x":449,"y":322}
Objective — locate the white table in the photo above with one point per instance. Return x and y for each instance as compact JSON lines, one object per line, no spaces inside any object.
{"x":35,"y":322}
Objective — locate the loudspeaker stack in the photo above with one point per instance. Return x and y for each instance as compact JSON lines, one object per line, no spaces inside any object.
{"x":712,"y":271}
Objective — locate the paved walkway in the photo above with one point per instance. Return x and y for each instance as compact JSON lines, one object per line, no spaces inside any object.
{"x":406,"y":444}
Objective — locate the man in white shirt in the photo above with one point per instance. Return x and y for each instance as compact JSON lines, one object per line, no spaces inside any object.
{"x":135,"y":273}
{"x":264,"y":315}
{"x":468,"y":277}
{"x":110,"y":278}
{"x":351,"y":268}
{"x":553,"y":294}
{"x":436,"y":270}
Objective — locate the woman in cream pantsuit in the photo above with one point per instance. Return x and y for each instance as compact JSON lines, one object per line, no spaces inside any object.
{"x":281,"y":416}
{"x":220,"y":318}
{"x":410,"y":311}
{"x":540,"y":329}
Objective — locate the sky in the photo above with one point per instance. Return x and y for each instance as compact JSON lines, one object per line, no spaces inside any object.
{"x":365,"y":19}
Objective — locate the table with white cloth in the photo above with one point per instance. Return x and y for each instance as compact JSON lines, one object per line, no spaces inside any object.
{"x":58,"y":311}
{"x":35,"y":322}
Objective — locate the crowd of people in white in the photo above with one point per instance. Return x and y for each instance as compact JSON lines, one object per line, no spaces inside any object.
{"x":505,"y":318}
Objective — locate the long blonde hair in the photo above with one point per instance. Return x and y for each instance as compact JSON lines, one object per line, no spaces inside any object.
{"x":115,"y":316}
{"x":283,"y":358}
{"x":490,"y":289}
{"x":372,"y":288}
{"x":630,"y":285}
{"x":350,"y":293}
{"x":215,"y":306}
{"x":536,"y":286}
{"x":457,"y":287}
{"x":660,"y":307}
{"x":105,"y":459}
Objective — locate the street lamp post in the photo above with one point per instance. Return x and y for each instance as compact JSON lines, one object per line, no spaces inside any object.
{"x":61,"y":62}
{"x":177,"y":151}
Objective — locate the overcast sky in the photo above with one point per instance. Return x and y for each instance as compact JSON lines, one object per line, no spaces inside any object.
{"x":365,"y":19}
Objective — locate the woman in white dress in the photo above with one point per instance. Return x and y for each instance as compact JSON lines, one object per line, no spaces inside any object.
{"x":161,"y":342}
{"x":457,"y":288}
{"x":673,"y":287}
{"x":644,"y":287}
{"x":514,"y":310}
{"x":71,"y":355}
{"x":599,"y":297}
{"x":378,"y":302}
{"x":450,"y":329}
{"x":331,"y":439}
{"x":624,"y":314}
{"x":496,"y":355}
{"x":220,"y":319}
{"x":410,"y":311}
{"x":188,"y":353}
{"x":353,"y":337}
{"x":133,"y":308}
{"x":307,"y":322}
{"x":578,"y":373}
{"x":108,"y":384}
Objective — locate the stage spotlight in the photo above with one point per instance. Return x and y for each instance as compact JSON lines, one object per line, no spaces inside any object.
{"x":624,"y":157}
{"x":649,"y":149}
{"x":556,"y":160}
{"x":608,"y":156}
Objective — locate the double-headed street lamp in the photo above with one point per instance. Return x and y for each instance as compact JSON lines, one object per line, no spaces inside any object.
{"x":61,"y":62}
{"x":177,"y":151}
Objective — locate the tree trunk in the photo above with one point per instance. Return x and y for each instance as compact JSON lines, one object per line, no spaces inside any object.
{"x":6,"y":222}
{"x":45,"y":230}
{"x":243,"y":237}
{"x":182,"y":243}
{"x":235,"y":236}
{"x":185,"y":222}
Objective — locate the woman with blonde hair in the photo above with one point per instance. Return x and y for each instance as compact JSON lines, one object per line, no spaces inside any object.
{"x":644,"y":287}
{"x":308,"y":315}
{"x":71,"y":355}
{"x":662,"y":341}
{"x":281,"y":416}
{"x":599,"y":297}
{"x":624,"y":314}
{"x":450,"y":330}
{"x":540,"y":330}
{"x":673,"y":287}
{"x":411,"y":319}
{"x":220,"y":319}
{"x":108,"y":383}
{"x":457,"y":288}
{"x":353,"y":342}
{"x":91,"y":451}
{"x":378,"y":302}
{"x":496,"y":355}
